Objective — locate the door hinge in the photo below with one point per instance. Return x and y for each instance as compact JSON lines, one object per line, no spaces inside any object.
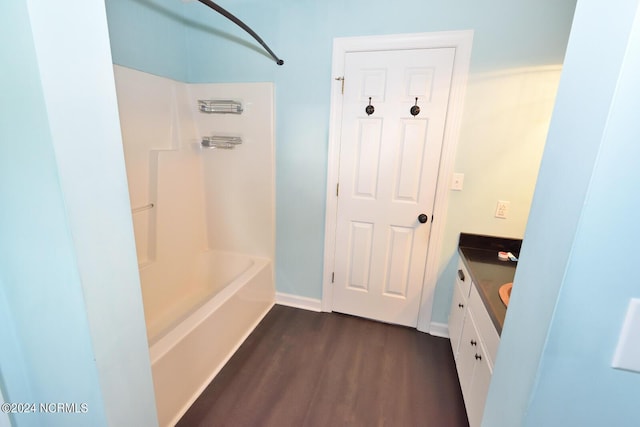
{"x":333,"y":276}
{"x":337,"y":189}
{"x":341,"y":80}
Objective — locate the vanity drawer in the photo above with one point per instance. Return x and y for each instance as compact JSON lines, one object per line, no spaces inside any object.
{"x":486,"y":329}
{"x":463,"y":279}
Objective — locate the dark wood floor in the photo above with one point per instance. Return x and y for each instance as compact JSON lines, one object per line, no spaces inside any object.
{"x":300,"y":368}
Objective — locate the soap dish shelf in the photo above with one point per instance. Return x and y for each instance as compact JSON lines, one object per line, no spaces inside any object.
{"x":223,"y":142}
{"x":216,"y":106}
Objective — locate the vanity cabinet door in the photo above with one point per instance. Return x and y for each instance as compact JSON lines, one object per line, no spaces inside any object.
{"x":484,"y":325}
{"x":456,"y":318}
{"x":474,"y":370}
{"x":465,"y":362}
{"x":479,"y":387}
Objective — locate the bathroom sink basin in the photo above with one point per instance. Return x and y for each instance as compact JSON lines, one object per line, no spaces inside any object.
{"x":505,"y":293}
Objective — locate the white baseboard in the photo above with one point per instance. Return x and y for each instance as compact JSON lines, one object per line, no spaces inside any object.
{"x":296,"y":301}
{"x":439,"y":330}
{"x":312,"y":304}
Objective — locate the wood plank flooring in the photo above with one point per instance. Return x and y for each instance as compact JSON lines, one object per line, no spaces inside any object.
{"x":300,"y":368}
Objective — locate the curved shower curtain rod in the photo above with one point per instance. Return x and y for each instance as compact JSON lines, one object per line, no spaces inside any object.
{"x":242,"y":25}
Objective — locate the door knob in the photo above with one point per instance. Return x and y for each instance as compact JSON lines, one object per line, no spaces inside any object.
{"x":423,"y":218}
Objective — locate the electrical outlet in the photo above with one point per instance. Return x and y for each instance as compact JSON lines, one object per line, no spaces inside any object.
{"x":502,"y":210}
{"x":457,"y":181}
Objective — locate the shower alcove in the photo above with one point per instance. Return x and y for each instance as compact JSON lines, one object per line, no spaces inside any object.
{"x":204,"y":223}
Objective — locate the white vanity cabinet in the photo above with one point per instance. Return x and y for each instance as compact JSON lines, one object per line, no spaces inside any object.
{"x":458,"y":310}
{"x":474,"y":370}
{"x":474,"y":341}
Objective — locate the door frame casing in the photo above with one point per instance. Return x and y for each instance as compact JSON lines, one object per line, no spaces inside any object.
{"x":461,"y":41}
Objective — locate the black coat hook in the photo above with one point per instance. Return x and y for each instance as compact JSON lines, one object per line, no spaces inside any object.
{"x":415,"y":110}
{"x":369,"y":109}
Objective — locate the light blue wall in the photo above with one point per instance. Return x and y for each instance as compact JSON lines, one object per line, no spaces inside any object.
{"x":507,"y":35}
{"x":576,"y":277}
{"x":150,"y":36}
{"x":47,"y":355}
{"x":72,"y":321}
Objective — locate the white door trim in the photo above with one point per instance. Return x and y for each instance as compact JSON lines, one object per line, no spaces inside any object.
{"x":461,"y":41}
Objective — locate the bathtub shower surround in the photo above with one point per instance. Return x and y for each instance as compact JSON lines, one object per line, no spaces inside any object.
{"x":204,"y":222}
{"x":189,"y":353}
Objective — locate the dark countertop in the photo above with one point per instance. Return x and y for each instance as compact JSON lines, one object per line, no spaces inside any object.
{"x":480,"y":256}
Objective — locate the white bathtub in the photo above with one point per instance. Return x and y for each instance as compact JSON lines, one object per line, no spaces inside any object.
{"x":196,"y":323}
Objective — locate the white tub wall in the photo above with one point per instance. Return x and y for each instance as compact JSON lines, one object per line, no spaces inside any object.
{"x":146,"y":106}
{"x":238,"y":186}
{"x":240,"y":183}
{"x":164,"y":168}
{"x":180,"y":231}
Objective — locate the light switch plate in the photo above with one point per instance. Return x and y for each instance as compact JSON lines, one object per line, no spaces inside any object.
{"x":457,"y":181}
{"x":627,"y":355}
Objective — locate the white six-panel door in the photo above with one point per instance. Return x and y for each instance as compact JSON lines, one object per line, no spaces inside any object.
{"x":388,"y":173}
